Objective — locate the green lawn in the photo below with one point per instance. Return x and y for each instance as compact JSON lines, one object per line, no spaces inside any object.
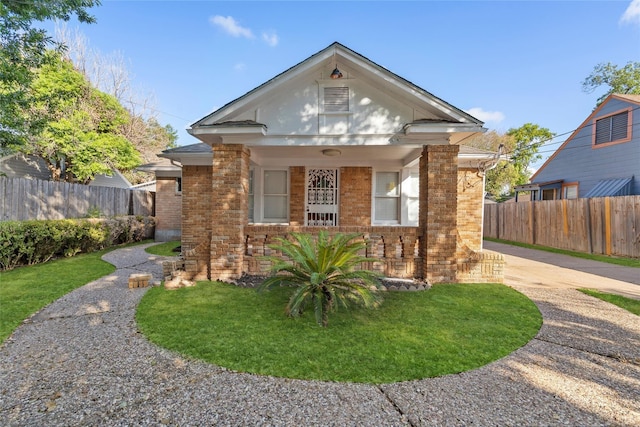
{"x":629,"y":304}
{"x":448,"y":329}
{"x":26,"y":290}
{"x":164,"y":249}
{"x":626,"y":262}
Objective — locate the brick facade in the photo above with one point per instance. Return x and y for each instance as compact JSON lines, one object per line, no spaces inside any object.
{"x":230,"y":186}
{"x":355,"y":196}
{"x":438,"y":212}
{"x":219,"y":244}
{"x":296,"y":195}
{"x":470,"y":195}
{"x":168,"y":209}
{"x":196,"y":220}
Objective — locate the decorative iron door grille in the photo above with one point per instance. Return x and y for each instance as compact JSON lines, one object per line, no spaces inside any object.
{"x":322,"y":197}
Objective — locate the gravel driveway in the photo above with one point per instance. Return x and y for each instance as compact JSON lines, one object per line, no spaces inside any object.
{"x":81,"y":361}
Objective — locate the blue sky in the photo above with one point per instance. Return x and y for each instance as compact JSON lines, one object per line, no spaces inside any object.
{"x":505,"y":62}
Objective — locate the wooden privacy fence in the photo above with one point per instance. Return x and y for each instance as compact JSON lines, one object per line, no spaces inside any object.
{"x":24,"y":199}
{"x":607,"y":225}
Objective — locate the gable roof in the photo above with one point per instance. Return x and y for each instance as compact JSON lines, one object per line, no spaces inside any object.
{"x":634,"y":99}
{"x":446,"y":117}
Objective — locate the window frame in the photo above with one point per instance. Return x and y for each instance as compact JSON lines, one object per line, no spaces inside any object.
{"x":398,"y":197}
{"x":596,"y":145}
{"x":566,"y":186}
{"x":178,"y":185}
{"x":263,"y":195}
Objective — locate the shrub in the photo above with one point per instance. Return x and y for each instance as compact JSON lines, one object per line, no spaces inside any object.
{"x":324,"y":272}
{"x":33,"y":242}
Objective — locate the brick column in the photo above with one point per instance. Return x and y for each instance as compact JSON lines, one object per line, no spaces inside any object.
{"x":196,"y":220}
{"x":296,"y":200}
{"x":438,"y":212}
{"x":230,"y":187}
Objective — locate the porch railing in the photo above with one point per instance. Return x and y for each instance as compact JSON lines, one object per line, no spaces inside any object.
{"x":396,"y":248}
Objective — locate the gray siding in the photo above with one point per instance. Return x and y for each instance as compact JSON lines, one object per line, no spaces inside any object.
{"x":578,"y":162}
{"x":19,"y":166}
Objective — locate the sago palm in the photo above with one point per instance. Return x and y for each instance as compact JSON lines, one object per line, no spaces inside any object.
{"x":324,"y":273}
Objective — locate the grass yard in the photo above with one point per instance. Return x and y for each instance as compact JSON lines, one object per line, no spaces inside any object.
{"x":448,"y":329}
{"x":164,"y":249}
{"x":629,"y":304}
{"x":26,"y":290}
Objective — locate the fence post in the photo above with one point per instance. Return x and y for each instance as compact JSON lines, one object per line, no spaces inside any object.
{"x":587,"y":208}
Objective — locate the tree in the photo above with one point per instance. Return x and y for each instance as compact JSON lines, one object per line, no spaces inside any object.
{"x":625,"y":80}
{"x":323,"y":273}
{"x":83,"y":133}
{"x":23,"y":49}
{"x":110,"y":74}
{"x":521,"y":146}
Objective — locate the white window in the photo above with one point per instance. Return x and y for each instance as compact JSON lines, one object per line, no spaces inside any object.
{"x":387,"y":198}
{"x":275,"y":196}
{"x":251,"y":200}
{"x":411,"y":192}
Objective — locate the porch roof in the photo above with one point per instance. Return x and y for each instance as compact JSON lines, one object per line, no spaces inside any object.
{"x":376,"y":156}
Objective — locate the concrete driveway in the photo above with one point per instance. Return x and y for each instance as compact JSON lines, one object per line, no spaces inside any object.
{"x":532,"y":268}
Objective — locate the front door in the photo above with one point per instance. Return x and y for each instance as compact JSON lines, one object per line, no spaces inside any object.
{"x":322,"y":197}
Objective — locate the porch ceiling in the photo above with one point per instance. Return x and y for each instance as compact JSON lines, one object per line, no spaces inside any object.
{"x":375,"y":156}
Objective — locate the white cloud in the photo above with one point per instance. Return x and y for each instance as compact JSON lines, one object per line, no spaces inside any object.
{"x":632,"y":14}
{"x":240,"y":66}
{"x":271,"y":38}
{"x":231,"y":26}
{"x":486,"y":116}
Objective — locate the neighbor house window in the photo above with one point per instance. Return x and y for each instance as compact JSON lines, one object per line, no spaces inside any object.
{"x":570,"y":191}
{"x":336,"y":99}
{"x":178,"y":185}
{"x":276,"y":196}
{"x":387,"y":197}
{"x":613,"y":128}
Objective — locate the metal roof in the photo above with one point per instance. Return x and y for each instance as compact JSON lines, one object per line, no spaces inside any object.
{"x":611,"y":187}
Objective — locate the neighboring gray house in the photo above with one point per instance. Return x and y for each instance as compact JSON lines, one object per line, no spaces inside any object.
{"x":33,"y":167}
{"x":600,"y":158}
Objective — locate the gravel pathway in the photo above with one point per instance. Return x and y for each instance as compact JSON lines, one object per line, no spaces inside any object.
{"x":81,"y":361}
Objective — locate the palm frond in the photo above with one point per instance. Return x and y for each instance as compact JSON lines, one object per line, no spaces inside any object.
{"x":324,"y":271}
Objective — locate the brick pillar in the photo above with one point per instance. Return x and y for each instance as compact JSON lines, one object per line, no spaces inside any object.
{"x":438,"y":212}
{"x":296,"y":200}
{"x":196,"y":220}
{"x":230,"y":187}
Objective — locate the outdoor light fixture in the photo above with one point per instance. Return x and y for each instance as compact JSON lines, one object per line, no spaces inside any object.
{"x":336,"y":74}
{"x":331,"y":152}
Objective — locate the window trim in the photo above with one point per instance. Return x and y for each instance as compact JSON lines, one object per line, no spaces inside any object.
{"x":287,"y":196}
{"x":629,"y":111}
{"x":399,"y":197}
{"x":178,"y":185}
{"x":571,"y":184}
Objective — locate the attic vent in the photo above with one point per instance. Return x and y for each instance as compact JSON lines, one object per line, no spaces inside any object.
{"x":612,"y":128}
{"x":336,"y":99}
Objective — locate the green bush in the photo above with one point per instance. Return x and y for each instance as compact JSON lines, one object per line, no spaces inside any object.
{"x":33,"y":242}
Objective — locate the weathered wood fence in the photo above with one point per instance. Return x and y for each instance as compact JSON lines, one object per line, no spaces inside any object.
{"x":23,"y":199}
{"x":607,"y":225}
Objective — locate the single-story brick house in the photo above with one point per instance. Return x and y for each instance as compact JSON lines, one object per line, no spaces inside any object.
{"x":337,"y":142}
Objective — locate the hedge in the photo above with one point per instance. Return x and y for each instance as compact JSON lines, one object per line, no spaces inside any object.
{"x":33,"y":242}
